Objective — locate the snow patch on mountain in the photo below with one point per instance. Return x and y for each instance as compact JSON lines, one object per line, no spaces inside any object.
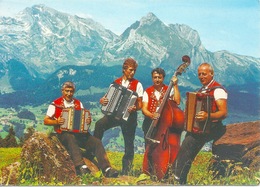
{"x":45,"y":39}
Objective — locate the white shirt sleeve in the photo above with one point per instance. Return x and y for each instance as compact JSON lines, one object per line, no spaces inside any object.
{"x":145,"y":97}
{"x":81,"y":106}
{"x":51,"y":111}
{"x":140,"y":89}
{"x":220,"y":93}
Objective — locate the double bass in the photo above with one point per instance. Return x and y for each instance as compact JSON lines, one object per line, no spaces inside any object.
{"x":164,"y":133}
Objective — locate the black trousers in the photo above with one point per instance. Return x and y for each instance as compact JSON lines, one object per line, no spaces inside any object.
{"x":190,"y":147}
{"x":94,"y":148}
{"x":128,"y":130}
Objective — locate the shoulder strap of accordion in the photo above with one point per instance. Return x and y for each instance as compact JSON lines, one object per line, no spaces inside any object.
{"x":210,"y":89}
{"x":213,"y":88}
{"x":77,"y":104}
{"x":114,"y":82}
{"x":58,"y":103}
{"x":58,"y":106}
{"x":132,"y":84}
{"x":118,"y":81}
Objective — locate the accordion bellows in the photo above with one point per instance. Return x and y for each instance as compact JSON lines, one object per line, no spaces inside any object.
{"x":75,"y":120}
{"x":197,"y":102}
{"x":119,"y":100}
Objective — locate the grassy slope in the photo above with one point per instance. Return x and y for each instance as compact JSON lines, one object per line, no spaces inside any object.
{"x":199,"y":175}
{"x":9,"y":155}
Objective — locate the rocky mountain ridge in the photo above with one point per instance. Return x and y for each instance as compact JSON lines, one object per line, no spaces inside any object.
{"x":41,"y":47}
{"x":45,"y":40}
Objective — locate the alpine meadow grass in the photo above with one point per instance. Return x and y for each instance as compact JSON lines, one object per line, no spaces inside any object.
{"x":199,"y":173}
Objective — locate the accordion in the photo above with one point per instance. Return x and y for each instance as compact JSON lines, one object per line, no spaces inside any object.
{"x":75,"y":120}
{"x":119,"y":100}
{"x":197,"y":102}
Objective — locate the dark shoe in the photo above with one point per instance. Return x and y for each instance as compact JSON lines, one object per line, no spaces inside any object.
{"x":125,"y":172}
{"x":173,"y":179}
{"x":111,"y":173}
{"x":82,"y":170}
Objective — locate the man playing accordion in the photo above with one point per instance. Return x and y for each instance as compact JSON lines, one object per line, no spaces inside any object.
{"x":74,"y":141}
{"x":195,"y":140}
{"x":128,"y":127}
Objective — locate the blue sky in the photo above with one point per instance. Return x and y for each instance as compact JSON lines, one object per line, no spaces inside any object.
{"x":232,"y":25}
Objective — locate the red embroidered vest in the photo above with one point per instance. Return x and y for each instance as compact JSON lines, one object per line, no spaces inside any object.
{"x":59,"y":105}
{"x":210,"y":90}
{"x":132,"y":84}
{"x":153,"y":103}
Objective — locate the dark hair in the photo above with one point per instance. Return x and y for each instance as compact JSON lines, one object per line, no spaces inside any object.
{"x":159,"y":71}
{"x":130,"y":62}
{"x":68,"y":84}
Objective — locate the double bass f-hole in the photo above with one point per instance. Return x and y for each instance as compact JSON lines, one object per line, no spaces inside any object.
{"x":165,"y":140}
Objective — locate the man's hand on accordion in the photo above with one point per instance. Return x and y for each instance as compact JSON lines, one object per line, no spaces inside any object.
{"x":88,"y":120}
{"x":103,"y":101}
{"x":60,"y":121}
{"x":201,"y":116}
{"x":132,"y":109}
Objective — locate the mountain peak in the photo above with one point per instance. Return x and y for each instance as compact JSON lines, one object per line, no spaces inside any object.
{"x":149,"y":18}
{"x":151,"y":15}
{"x":41,"y":8}
{"x":38,"y":12}
{"x":46,"y":39}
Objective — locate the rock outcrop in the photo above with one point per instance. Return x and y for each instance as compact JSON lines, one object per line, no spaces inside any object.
{"x":10,"y":174}
{"x":239,"y":144}
{"x":44,"y":160}
{"x":44,"y":157}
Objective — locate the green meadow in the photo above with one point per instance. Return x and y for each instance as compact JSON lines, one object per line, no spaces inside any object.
{"x":199,"y":173}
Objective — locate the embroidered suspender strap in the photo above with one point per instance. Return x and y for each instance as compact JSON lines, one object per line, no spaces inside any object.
{"x":132,"y":83}
{"x":58,"y":106}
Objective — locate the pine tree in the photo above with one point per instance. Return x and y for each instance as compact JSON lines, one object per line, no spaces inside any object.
{"x":1,"y":142}
{"x":9,"y":140}
{"x":30,"y":132}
